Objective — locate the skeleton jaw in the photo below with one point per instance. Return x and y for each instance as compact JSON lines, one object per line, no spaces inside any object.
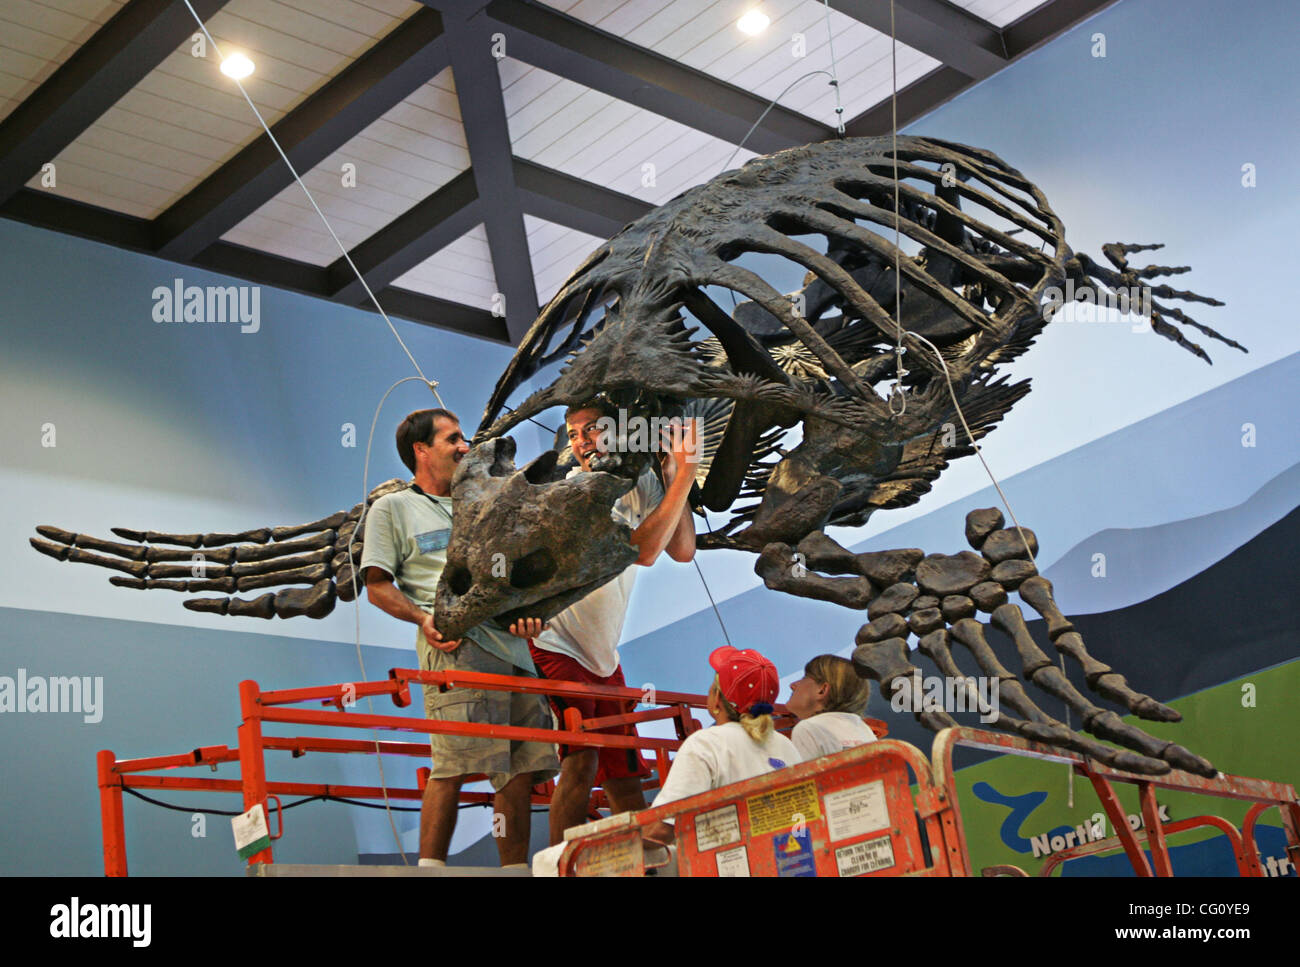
{"x":540,"y":541}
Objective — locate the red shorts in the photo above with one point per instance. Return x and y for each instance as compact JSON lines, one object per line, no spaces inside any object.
{"x":614,"y":763}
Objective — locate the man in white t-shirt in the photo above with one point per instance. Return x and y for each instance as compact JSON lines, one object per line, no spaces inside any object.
{"x":581,"y":644}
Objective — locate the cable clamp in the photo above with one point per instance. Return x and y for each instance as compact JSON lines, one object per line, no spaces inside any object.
{"x":897,"y":393}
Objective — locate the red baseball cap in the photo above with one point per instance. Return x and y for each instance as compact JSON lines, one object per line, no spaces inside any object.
{"x":745,"y":677}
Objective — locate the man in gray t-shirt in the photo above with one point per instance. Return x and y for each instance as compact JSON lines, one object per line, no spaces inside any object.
{"x":405,"y":550}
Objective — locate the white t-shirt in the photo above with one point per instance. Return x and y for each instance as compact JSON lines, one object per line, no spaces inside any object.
{"x":829,"y":732}
{"x":589,"y":630}
{"x":721,"y":755}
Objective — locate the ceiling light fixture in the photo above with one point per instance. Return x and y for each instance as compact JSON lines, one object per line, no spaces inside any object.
{"x":236,"y":66}
{"x":754,"y":22}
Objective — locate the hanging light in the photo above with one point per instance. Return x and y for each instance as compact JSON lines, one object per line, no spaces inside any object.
{"x":754,"y":22}
{"x":236,"y":66}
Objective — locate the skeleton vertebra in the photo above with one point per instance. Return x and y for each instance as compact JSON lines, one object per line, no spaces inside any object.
{"x":523,"y":542}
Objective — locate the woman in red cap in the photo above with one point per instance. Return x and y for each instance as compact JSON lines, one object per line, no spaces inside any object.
{"x":742,"y":744}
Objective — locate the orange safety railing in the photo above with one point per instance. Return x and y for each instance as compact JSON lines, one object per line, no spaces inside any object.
{"x":260,"y":709}
{"x":1262,"y":793}
{"x":879,"y":809}
{"x":857,"y":813}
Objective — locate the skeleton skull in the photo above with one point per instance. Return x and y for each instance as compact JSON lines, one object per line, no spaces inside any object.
{"x":552,"y":542}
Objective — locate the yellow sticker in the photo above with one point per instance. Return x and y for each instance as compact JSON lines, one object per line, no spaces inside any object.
{"x":783,"y":808}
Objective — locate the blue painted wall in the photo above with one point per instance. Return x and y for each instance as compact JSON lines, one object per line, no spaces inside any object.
{"x":201,"y":427}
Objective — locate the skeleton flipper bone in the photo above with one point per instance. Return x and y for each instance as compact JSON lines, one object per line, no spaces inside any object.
{"x":906,"y":591}
{"x":886,"y":662}
{"x":307,"y":562}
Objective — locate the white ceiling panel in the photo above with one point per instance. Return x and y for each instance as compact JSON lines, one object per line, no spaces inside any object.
{"x":36,"y":38}
{"x":189,"y":108}
{"x":561,"y":124}
{"x":461,"y":272}
{"x":399,"y":160}
{"x":555,"y":252}
{"x":999,"y":12}
{"x":798,"y":42}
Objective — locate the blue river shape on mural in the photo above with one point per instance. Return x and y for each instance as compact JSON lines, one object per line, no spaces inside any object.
{"x":1021,"y":806}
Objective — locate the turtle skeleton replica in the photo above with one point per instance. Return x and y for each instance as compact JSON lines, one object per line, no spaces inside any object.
{"x":812,"y":364}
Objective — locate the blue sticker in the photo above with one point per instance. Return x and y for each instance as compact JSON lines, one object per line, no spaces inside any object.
{"x":775,"y":763}
{"x":432,"y":540}
{"x":794,"y":855}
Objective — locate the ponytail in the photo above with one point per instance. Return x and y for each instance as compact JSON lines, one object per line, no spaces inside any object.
{"x":757,"y":727}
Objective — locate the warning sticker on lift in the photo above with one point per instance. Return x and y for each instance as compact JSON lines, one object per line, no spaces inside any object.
{"x":622,"y":857}
{"x":856,"y":811}
{"x":733,"y":862}
{"x":859,"y":858}
{"x":717,"y":828}
{"x":783,"y":808}
{"x":794,"y":854}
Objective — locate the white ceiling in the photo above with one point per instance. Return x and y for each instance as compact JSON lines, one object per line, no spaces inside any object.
{"x":185,"y":119}
{"x":999,"y":12}
{"x":36,"y":38}
{"x":705,"y":37}
{"x":403,"y":157}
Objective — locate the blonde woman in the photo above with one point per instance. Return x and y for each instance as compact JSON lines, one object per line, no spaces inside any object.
{"x":829,"y":701}
{"x":743,"y":744}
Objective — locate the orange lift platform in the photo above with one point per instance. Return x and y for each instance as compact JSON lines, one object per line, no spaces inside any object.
{"x":880,"y":809}
{"x":302,"y":706}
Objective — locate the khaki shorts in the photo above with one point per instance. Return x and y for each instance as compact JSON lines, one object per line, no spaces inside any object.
{"x":499,"y":759}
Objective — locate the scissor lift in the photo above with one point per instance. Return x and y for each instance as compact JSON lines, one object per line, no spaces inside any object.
{"x":859,"y":813}
{"x":261,"y":709}
{"x":881,"y":809}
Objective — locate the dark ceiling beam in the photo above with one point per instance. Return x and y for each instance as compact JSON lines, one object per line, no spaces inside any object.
{"x":574,"y":203}
{"x":940,"y":29}
{"x":408,"y":240}
{"x":944,"y":83}
{"x":570,"y":48}
{"x":918,"y":98}
{"x":487,"y":134}
{"x":45,"y":210}
{"x":260,"y":267}
{"x":443,"y":314}
{"x":1039,"y":26}
{"x":264,"y":269}
{"x":370,"y":86}
{"x":137,"y":39}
